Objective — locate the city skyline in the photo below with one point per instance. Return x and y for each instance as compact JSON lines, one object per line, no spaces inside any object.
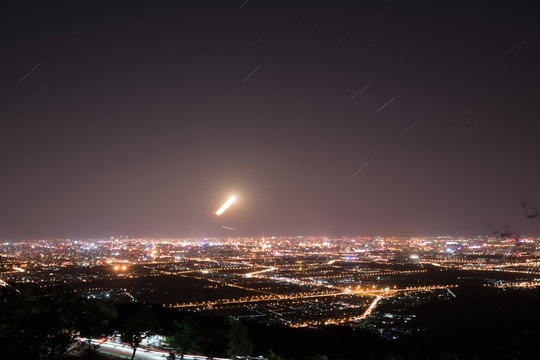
{"x":324,"y":118}
{"x":439,"y":291}
{"x":265,"y":273}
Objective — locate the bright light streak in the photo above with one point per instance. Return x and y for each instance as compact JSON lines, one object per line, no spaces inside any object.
{"x":3,"y":283}
{"x":260,"y":272}
{"x":225,"y":206}
{"x":370,"y":308}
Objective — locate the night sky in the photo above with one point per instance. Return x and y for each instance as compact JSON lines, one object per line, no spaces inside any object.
{"x":322,"y":117}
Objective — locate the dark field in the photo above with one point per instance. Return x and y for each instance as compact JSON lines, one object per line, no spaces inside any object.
{"x":168,"y":289}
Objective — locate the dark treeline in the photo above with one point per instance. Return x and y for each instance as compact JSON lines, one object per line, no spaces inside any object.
{"x":478,"y":324}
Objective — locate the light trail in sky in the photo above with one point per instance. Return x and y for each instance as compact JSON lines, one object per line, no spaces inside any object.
{"x":225,"y":206}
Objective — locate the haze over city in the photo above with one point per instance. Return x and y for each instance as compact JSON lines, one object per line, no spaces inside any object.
{"x":326,"y":118}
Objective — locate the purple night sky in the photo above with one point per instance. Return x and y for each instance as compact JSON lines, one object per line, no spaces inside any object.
{"x":322,"y":117}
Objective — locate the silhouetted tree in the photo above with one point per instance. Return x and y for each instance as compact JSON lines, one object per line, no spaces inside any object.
{"x":506,"y":233}
{"x":318,"y":357}
{"x":272,"y":355}
{"x":239,"y":345}
{"x":137,"y":325}
{"x":188,"y":337}
{"x":37,"y":324}
{"x":54,"y":320}
{"x":531,"y":212}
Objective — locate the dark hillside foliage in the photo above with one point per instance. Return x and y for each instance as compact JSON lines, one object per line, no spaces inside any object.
{"x":480,"y":323}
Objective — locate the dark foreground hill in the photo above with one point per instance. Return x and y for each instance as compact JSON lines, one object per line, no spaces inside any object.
{"x":481,"y":323}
